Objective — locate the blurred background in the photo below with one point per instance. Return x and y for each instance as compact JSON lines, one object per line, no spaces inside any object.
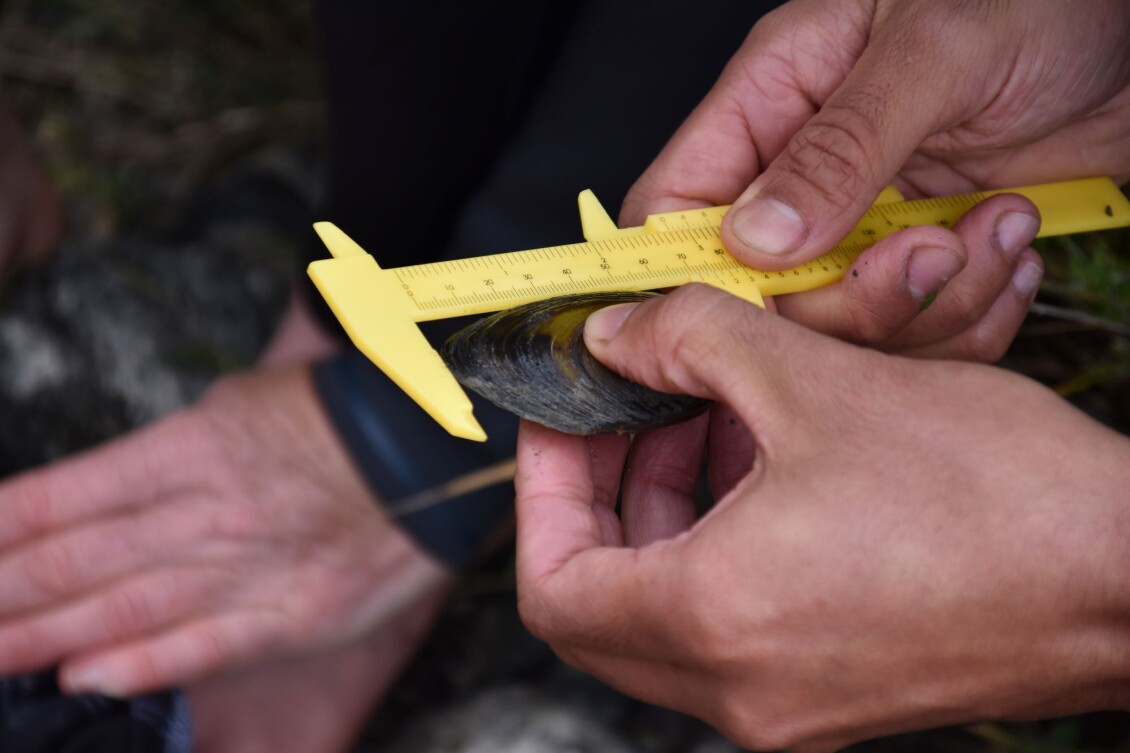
{"x":185,"y":138}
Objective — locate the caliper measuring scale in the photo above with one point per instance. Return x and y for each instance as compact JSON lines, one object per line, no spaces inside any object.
{"x":380,"y":308}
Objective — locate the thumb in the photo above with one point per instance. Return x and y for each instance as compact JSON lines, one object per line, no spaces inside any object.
{"x":923,"y":68}
{"x":699,"y":340}
{"x":812,"y":194}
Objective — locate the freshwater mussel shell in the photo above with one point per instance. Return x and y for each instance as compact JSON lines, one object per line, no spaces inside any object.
{"x":532,"y":361}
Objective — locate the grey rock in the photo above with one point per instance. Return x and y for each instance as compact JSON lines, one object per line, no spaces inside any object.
{"x":515,"y":719}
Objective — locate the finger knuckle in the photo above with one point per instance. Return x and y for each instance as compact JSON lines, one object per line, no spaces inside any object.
{"x":146,"y":669}
{"x":568,"y":631}
{"x":560,"y":628}
{"x":310,"y":620}
{"x":983,"y":344}
{"x":720,"y":644}
{"x":269,"y":630}
{"x":869,"y":322}
{"x":236,"y":522}
{"x":680,"y":338}
{"x":214,"y":644}
{"x":52,"y":569}
{"x":713,"y":647}
{"x":28,"y":504}
{"x":832,"y":156}
{"x":130,"y":610}
{"x":536,"y":617}
{"x":756,"y":720}
{"x":23,"y":646}
{"x":682,"y":313}
{"x":752,"y":730}
{"x":672,"y":475}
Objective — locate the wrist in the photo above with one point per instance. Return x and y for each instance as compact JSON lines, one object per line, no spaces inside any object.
{"x":1099,"y":492}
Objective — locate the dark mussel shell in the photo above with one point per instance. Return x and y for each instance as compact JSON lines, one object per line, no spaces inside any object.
{"x":532,"y":361}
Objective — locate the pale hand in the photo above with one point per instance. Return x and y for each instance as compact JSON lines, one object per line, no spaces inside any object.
{"x":230,"y":533}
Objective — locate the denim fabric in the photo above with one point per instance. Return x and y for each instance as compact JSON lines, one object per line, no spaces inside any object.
{"x":35,"y":717}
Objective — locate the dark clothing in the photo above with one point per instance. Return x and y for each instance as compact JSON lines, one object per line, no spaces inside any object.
{"x":459,"y":129}
{"x":36,"y":718}
{"x":473,"y":138}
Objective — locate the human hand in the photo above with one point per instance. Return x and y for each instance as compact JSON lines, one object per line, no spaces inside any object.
{"x":929,"y":292}
{"x":916,"y":543}
{"x":234,"y":531}
{"x":827,"y":102}
{"x":30,"y":214}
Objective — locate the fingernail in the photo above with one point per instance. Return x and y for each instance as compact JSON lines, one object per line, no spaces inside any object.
{"x":769,"y":225}
{"x":929,"y":269}
{"x":1015,"y":232}
{"x":88,"y":680}
{"x":605,"y":323}
{"x":1027,"y":278}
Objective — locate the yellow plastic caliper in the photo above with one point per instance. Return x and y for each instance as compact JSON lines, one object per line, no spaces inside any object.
{"x":380,"y":308}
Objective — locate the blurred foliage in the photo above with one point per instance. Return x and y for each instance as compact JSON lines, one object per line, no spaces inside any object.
{"x":1091,"y":271}
{"x":1077,"y":339}
{"x":135,"y":104}
{"x":1102,"y":731}
{"x":179,"y":60}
